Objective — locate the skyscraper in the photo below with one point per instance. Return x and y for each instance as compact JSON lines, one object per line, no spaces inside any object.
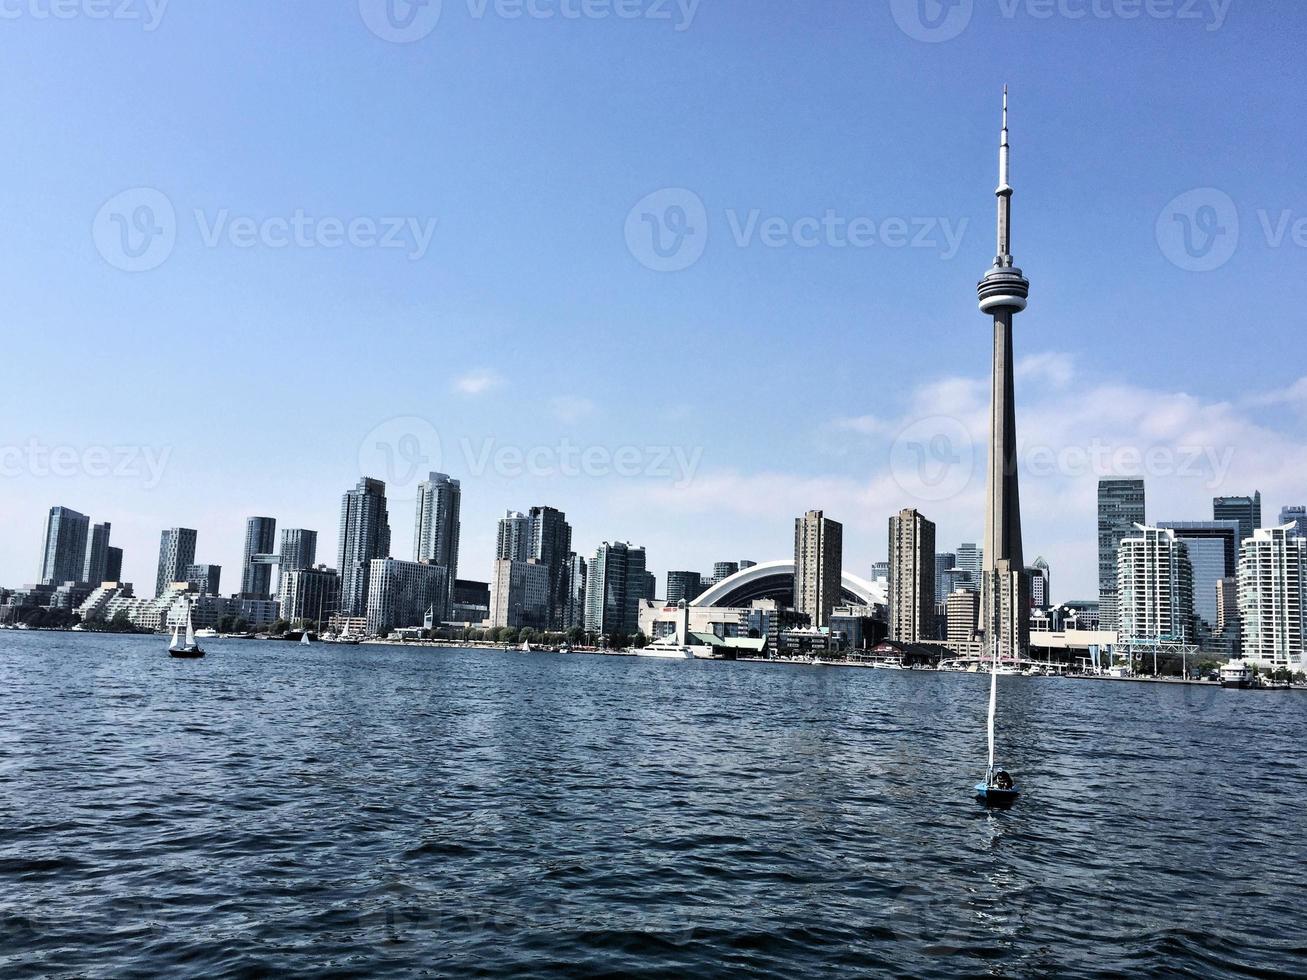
{"x":176,"y":554}
{"x":436,"y":524}
{"x":299,"y":551}
{"x":1214,"y":554}
{"x":1297,"y":516}
{"x":1155,"y":588}
{"x":818,"y":565}
{"x":405,"y":593}
{"x":1041,"y":585}
{"x":577,"y":574}
{"x":615,"y":578}
{"x":206,"y":579}
{"x":1120,"y":509}
{"x":309,"y":594}
{"x":113,"y":565}
{"x":1246,"y":510}
{"x":963,"y":610}
{"x":944,"y":562}
{"x":911,"y":577}
{"x":683,"y":585}
{"x":260,"y":540}
{"x":723,"y":570}
{"x":97,"y":555}
{"x":63,"y":551}
{"x":971,"y":560}
{"x":364,"y":537}
{"x":514,"y":539}
{"x":1005,"y":598}
{"x":1272,"y":573}
{"x":551,"y":546}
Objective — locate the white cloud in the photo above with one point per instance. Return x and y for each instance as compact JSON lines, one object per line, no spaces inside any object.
{"x":478,"y":382}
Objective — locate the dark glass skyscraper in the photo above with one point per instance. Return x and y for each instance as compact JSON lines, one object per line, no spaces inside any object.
{"x":260,"y":539}
{"x":551,"y":546}
{"x":97,"y":555}
{"x":683,"y":585}
{"x":364,"y":536}
{"x":1120,"y":508}
{"x":299,"y":551}
{"x":1246,"y":510}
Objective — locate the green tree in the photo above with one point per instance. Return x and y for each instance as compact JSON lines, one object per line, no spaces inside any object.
{"x":280,"y":627}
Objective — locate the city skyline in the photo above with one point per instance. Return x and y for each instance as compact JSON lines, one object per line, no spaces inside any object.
{"x":898,"y":152}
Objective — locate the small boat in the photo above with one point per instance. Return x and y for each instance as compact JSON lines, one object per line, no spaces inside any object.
{"x":304,"y":639}
{"x":889,"y":665}
{"x":189,"y":650}
{"x":526,"y":646}
{"x":997,"y":789}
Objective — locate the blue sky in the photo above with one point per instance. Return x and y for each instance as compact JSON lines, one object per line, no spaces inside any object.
{"x":260,"y":374}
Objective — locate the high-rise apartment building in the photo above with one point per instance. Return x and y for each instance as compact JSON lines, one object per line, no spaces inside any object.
{"x":1213,"y":548}
{"x":63,"y":551}
{"x":1272,"y":568}
{"x":364,"y":538}
{"x":723,"y":570}
{"x":1120,"y":509}
{"x":519,"y":594}
{"x":685,"y":586}
{"x":176,"y":554}
{"x":260,"y":543}
{"x":970,"y":559}
{"x":1041,"y":584}
{"x":1297,"y":516}
{"x":963,"y":613}
{"x":309,"y":594}
{"x":911,"y":577}
{"x":205,"y":579}
{"x":818,"y":566}
{"x":577,"y":576}
{"x":1246,"y":510}
{"x":436,"y":524}
{"x":113,"y":565}
{"x":405,"y":593}
{"x":299,"y":550}
{"x":615,"y":578}
{"x":1155,"y":588}
{"x":551,"y":546}
{"x":97,"y":555}
{"x":514,"y":539}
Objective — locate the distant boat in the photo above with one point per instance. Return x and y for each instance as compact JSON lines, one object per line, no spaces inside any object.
{"x":526,"y":646}
{"x":188,"y":650}
{"x":889,"y":665}
{"x":1236,"y":674}
{"x":304,"y":639}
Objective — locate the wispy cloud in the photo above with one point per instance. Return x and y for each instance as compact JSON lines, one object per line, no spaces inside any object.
{"x":478,"y":382}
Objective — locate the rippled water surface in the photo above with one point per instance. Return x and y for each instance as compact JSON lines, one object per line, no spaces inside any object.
{"x":276,"y":808}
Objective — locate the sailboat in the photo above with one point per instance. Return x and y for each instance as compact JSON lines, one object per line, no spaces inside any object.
{"x":997,"y":788}
{"x":304,"y":638}
{"x":189,"y":650}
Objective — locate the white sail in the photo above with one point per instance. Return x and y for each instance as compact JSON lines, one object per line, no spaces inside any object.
{"x":190,"y":629}
{"x":993,"y":706}
{"x":176,"y":629}
{"x":304,"y":639}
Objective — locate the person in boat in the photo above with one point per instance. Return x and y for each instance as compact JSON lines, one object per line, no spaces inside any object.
{"x":1002,"y":780}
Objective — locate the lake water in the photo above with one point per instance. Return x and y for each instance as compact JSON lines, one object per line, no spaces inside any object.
{"x":343,"y":810}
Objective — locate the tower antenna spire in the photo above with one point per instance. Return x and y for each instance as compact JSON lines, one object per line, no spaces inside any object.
{"x":1004,"y":193}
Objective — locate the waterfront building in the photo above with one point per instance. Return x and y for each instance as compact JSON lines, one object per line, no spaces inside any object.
{"x":1228,"y":634}
{"x":880,"y":571}
{"x":1297,"y":516}
{"x":1246,"y":510}
{"x":176,"y":554}
{"x":96,"y":566}
{"x":945,"y":562}
{"x":519,"y":594}
{"x":745,"y":564}
{"x":963,"y":614}
{"x":615,"y":580}
{"x":1214,"y":554}
{"x":514,"y":538}
{"x":437,"y":523}
{"x":63,"y":550}
{"x":649,"y":586}
{"x":309,"y":594}
{"x":1154,"y":592}
{"x":204,"y":579}
{"x":260,"y":545}
{"x":1120,"y":510}
{"x":470,"y":603}
{"x":818,"y":565}
{"x":1079,"y":615}
{"x":1041,"y":589}
{"x":551,"y":546}
{"x":364,"y":538}
{"x":113,"y":564}
{"x":299,"y":550}
{"x":96,"y":604}
{"x":684,"y":585}
{"x":911,"y":577}
{"x":970,"y":558}
{"x":1272,"y":567}
{"x":577,"y":576}
{"x":405,"y":593}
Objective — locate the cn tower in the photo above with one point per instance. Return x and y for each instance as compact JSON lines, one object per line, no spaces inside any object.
{"x":1005,"y":590}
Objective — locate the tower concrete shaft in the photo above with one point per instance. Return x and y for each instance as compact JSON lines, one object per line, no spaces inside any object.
{"x":1005,"y":590}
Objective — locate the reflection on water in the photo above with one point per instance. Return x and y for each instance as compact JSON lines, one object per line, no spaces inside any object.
{"x":277,"y":808}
